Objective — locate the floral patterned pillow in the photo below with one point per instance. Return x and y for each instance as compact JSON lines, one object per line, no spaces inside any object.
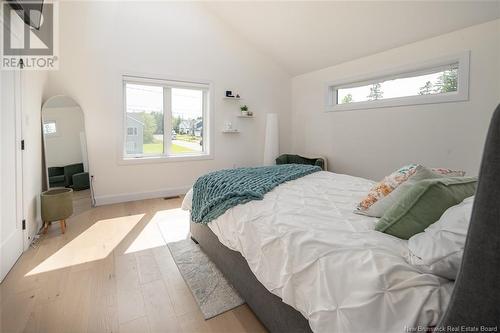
{"x":391,"y":182}
{"x":449,"y":172}
{"x":386,"y":186}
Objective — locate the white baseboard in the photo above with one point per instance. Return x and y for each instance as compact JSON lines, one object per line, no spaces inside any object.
{"x":33,"y":233}
{"x":118,"y":198}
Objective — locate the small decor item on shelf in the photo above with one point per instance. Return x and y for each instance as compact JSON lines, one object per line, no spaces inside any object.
{"x":229,"y":93}
{"x":237,"y":95}
{"x":228,"y":126}
{"x":250,"y":113}
{"x":244,"y":110}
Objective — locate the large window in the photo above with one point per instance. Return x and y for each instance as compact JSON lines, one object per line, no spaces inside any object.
{"x":166,"y":119}
{"x":444,"y":80}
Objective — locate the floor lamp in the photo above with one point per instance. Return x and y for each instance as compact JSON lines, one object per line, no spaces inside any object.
{"x":271,"y":145}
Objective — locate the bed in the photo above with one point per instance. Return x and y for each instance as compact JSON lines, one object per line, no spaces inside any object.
{"x":388,"y":296}
{"x":304,"y":261}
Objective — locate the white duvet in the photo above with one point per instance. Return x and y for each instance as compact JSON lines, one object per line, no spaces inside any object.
{"x":304,"y":243}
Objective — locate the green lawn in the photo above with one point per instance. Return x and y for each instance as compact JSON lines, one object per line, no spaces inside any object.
{"x":190,"y":138}
{"x":157,"y":148}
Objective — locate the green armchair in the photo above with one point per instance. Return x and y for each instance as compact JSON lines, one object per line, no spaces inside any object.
{"x":70,"y":170}
{"x":56,"y":177}
{"x":81,"y":181}
{"x":296,"y":159}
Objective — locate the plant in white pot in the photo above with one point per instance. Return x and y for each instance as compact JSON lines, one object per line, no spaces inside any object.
{"x":244,"y":110}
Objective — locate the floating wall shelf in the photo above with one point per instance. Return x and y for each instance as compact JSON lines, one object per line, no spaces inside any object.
{"x":242,"y":116}
{"x":233,"y":98}
{"x":232,"y":131}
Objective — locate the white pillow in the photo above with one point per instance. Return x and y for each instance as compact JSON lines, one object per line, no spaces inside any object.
{"x":439,"y":249}
{"x":187,"y":203}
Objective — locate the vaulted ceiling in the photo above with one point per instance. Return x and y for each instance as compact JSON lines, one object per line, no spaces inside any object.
{"x":303,"y":36}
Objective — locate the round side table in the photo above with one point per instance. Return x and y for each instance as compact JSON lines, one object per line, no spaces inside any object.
{"x":57,"y":205}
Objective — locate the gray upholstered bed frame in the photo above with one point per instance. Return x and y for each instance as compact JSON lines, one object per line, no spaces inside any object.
{"x":475,"y":301}
{"x":272,"y":312}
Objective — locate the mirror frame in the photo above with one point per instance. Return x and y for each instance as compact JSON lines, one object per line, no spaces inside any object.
{"x":46,"y":105}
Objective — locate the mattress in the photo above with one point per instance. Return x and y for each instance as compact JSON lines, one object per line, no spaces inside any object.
{"x":304,"y":244}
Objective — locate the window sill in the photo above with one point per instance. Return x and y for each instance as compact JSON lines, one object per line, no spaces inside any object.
{"x":163,"y":159}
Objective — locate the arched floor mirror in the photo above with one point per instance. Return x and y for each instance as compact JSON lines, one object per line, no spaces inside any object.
{"x":65,"y":150}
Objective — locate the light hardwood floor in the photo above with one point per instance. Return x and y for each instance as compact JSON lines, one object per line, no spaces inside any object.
{"x":110,"y":272}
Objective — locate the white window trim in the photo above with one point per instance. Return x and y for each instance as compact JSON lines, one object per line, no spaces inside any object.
{"x":462,"y":93}
{"x":208,"y":133}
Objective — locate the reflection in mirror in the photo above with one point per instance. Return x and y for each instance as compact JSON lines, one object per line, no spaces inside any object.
{"x":65,"y":146}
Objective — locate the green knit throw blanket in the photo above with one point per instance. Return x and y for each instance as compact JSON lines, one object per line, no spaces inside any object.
{"x":216,"y":192}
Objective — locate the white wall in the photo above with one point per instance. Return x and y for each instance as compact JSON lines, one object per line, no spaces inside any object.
{"x":33,"y":84}
{"x":371,"y":143}
{"x":102,"y":40}
{"x":64,"y":148}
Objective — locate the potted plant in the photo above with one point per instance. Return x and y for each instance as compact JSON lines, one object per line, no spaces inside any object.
{"x":244,"y":110}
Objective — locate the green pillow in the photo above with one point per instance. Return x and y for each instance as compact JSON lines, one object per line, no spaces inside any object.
{"x":383,"y":204}
{"x":423,"y":204}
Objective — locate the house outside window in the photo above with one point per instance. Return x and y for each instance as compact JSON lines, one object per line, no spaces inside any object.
{"x":131,"y":131}
{"x":166,"y":119}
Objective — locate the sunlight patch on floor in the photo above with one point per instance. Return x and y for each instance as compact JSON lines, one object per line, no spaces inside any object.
{"x":166,"y":226}
{"x":95,"y":243}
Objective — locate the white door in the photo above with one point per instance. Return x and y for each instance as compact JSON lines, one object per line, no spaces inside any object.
{"x":11,"y":233}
